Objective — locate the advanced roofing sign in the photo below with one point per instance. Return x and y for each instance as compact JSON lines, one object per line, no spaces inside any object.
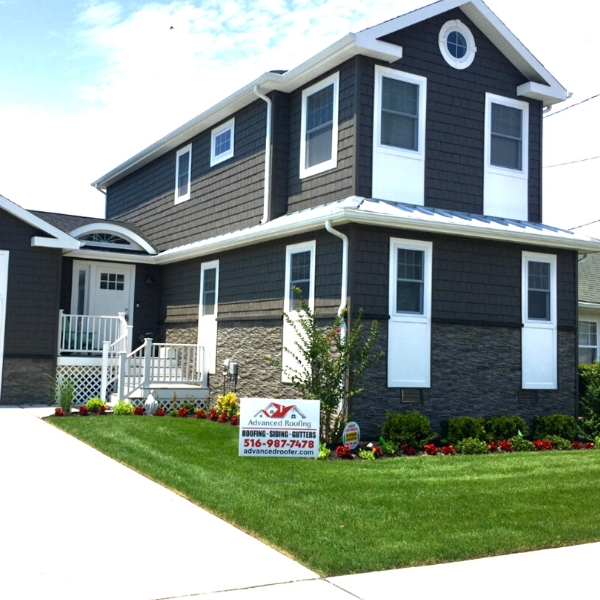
{"x":279,"y":428}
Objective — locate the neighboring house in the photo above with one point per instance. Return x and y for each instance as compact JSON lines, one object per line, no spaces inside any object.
{"x":589,"y":307}
{"x":397,"y":171}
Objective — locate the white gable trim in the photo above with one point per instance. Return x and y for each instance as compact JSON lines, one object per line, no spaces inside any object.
{"x":63,"y":240}
{"x":101,"y":227}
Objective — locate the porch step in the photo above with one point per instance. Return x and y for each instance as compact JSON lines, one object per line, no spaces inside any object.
{"x":165,"y":392}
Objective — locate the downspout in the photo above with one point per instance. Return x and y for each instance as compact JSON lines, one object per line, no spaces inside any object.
{"x":344,"y":298}
{"x":267,"y":199}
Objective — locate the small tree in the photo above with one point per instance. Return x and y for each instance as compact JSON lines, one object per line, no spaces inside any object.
{"x":330,"y":364}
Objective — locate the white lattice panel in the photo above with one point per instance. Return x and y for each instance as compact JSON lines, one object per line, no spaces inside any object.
{"x":87,"y":380}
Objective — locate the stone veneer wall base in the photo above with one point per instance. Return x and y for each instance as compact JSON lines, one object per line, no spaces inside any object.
{"x":27,"y":380}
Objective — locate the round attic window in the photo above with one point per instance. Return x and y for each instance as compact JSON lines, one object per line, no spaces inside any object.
{"x":457,"y":44}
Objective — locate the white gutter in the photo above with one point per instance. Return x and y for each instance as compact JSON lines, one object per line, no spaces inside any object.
{"x":344,"y":238}
{"x":267,"y":198}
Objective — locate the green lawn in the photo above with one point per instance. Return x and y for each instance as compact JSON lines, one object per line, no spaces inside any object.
{"x":340,"y":517}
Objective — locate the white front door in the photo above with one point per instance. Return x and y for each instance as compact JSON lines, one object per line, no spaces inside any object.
{"x":3,"y":289}
{"x":207,"y":317}
{"x":102,"y":289}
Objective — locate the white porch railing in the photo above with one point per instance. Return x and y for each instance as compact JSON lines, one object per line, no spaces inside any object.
{"x":86,"y":334}
{"x":110,"y":355}
{"x":152,"y":365}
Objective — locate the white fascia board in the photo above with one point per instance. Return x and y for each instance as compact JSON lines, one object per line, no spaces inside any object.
{"x":63,"y":240}
{"x":121,"y":257}
{"x":589,"y":305}
{"x":546,"y":93}
{"x":116,"y":229}
{"x":351,"y":214}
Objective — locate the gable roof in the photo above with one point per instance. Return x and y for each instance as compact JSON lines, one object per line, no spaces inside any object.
{"x":57,"y":239}
{"x":541,"y":85}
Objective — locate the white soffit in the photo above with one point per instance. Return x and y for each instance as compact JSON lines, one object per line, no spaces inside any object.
{"x":59,"y":238}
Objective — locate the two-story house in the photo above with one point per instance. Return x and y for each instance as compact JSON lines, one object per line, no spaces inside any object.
{"x":397,"y":171}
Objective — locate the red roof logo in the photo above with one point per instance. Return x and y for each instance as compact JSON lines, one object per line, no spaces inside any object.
{"x":279,"y":411}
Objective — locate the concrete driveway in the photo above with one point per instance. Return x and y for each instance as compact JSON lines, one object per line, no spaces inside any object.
{"x":76,"y":525}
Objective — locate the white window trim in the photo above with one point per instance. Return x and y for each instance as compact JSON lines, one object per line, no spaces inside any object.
{"x":523,"y":106}
{"x":380,"y":73}
{"x":589,"y":319}
{"x":543,"y":258}
{"x":295,"y":249}
{"x":181,"y":151}
{"x":205,"y":267}
{"x":427,"y":247}
{"x":332,"y":162}
{"x":216,"y":159}
{"x":469,"y":57}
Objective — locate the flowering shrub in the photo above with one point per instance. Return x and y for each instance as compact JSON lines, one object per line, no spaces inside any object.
{"x":343,"y":451}
{"x":200,"y":414}
{"x":228,"y":404}
{"x":224,"y":417}
{"x":213,"y":416}
{"x":576,"y":446}
{"x":182,"y":412}
{"x":589,"y":446}
{"x":505,"y":446}
{"x":102,"y":410}
{"x":377,"y":452}
{"x":430,"y":449}
{"x":159,"y":412}
{"x":448,"y":450}
{"x":235,"y":420}
{"x":408,"y":450}
{"x":59,"y":412}
{"x":83,"y":411}
{"x":492,"y":447}
{"x":542,"y":445}
{"x":139,"y":411}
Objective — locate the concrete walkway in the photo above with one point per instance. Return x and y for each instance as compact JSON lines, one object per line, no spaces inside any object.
{"x":75,"y":524}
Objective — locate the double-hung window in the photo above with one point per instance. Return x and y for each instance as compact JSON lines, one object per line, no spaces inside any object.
{"x":588,"y":341}
{"x":399,"y":136}
{"x":410,"y":281}
{"x":319,"y":127}
{"x":506,"y":157}
{"x":183,"y":170}
{"x":221,"y":145}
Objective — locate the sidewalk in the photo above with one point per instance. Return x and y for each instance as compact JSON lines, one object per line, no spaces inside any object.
{"x":77,"y":525}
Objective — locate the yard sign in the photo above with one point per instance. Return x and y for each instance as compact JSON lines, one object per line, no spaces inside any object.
{"x":279,"y":428}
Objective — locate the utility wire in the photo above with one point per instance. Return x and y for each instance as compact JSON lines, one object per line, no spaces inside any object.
{"x":572,"y":162}
{"x":568,"y":107}
{"x":584,"y":225}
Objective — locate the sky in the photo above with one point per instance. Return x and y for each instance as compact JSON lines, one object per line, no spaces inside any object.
{"x":86,"y":85}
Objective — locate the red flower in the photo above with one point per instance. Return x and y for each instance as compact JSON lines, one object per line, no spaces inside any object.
{"x":542,"y":445}
{"x":492,"y":447}
{"x":160,"y":412}
{"x":576,"y":446}
{"x":139,"y":411}
{"x":223,"y":418}
{"x":430,"y":449}
{"x":182,"y":412}
{"x":589,"y":446}
{"x":58,"y":412}
{"x":200,"y":414}
{"x":235,"y":420}
{"x":343,"y":451}
{"x":377,"y":452}
{"x":408,"y":449}
{"x":83,"y":411}
{"x":505,"y":446}
{"x":448,"y":450}
{"x":102,"y":410}
{"x":213,"y":415}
